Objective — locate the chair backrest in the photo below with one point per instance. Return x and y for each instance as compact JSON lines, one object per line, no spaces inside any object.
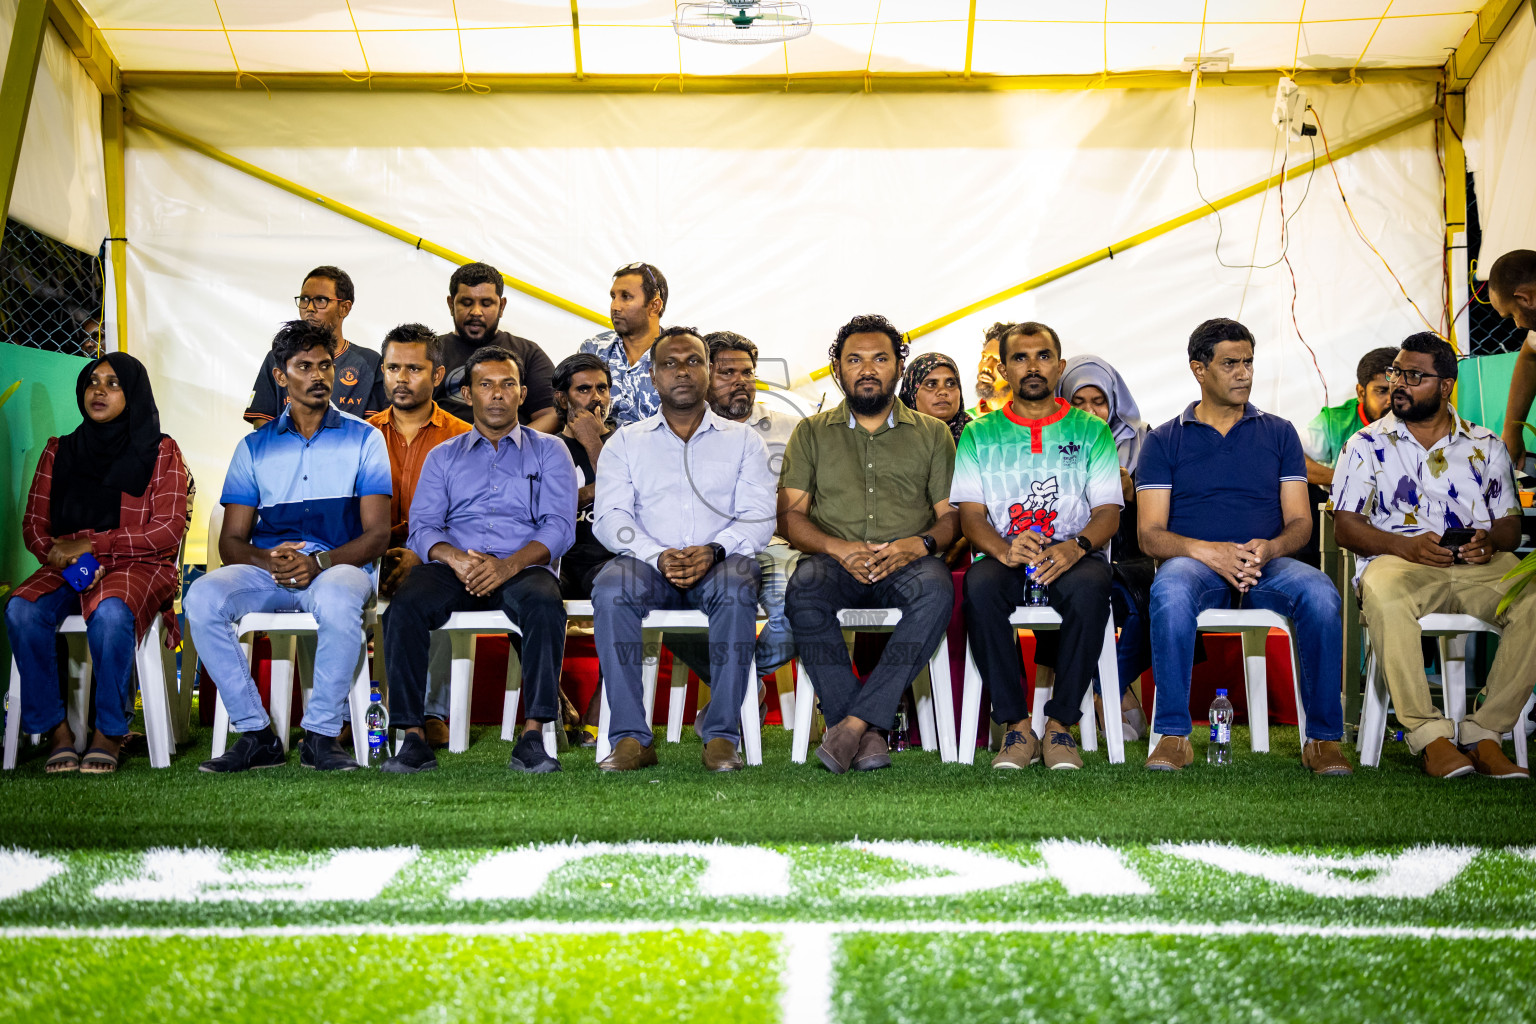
{"x":215,"y":527}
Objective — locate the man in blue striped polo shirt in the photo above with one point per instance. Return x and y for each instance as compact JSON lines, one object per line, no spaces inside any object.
{"x":306,"y":512}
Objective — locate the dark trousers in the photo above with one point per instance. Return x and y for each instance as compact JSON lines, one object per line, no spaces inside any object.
{"x":820,"y":588}
{"x":1080,"y":596}
{"x":626,"y":590}
{"x":431,"y":593}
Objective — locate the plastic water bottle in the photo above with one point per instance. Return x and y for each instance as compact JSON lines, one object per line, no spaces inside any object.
{"x":1220,"y":750}
{"x":898,"y":738}
{"x":1036,"y":594}
{"x":378,"y":727}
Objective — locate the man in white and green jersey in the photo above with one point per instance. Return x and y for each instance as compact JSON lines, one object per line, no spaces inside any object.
{"x":1038,"y":486}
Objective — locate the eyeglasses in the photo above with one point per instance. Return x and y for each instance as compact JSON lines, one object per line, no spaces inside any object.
{"x":642,"y":268}
{"x":1413,"y":378}
{"x":320,"y":302}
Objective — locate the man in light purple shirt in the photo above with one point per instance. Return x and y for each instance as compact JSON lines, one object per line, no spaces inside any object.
{"x":686,"y":501}
{"x":494,"y":510}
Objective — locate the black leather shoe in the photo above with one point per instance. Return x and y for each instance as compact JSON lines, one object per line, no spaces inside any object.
{"x":325,"y":753}
{"x":415,"y":755}
{"x":251,"y":750}
{"x":529,"y":756}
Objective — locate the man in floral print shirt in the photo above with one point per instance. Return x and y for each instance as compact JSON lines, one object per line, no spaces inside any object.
{"x":1401,"y":483}
{"x":636,"y":301}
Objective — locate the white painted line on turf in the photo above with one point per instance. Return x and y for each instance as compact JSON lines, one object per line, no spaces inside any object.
{"x":749,"y":871}
{"x":1413,"y":874}
{"x":807,"y":975}
{"x":1091,"y":869}
{"x":22,"y":871}
{"x":199,"y":876}
{"x":969,"y":871}
{"x":515,"y":929}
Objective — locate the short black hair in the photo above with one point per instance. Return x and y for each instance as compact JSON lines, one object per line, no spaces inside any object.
{"x":729,"y":341}
{"x":570,"y":366}
{"x":474,"y":274}
{"x":1515,"y":268}
{"x":1027,"y":329}
{"x":1373,"y":364}
{"x":652,"y":281}
{"x":868,"y":323}
{"x":493,"y":354}
{"x":996,"y":332}
{"x":415,"y":334}
{"x":340,"y":278}
{"x":1204,"y":339}
{"x":1431,"y":344}
{"x":673,"y":332}
{"x":297,"y":336}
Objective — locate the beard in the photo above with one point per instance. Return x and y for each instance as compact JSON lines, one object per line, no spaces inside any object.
{"x":861,"y":404}
{"x":1034,"y":388}
{"x":735,"y":407}
{"x":985,"y":388}
{"x":1410,"y":411}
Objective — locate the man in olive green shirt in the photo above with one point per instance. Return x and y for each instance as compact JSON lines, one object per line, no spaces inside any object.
{"x":864,"y":493}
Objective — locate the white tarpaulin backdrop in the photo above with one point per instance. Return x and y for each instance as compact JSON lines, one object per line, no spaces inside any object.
{"x":1501,"y":141}
{"x":779,"y":217}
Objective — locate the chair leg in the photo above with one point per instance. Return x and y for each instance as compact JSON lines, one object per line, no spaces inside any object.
{"x":1301,"y":708}
{"x":1522,"y":756}
{"x":12,"y":717}
{"x":943,"y":690}
{"x":180,"y":687}
{"x":1453,"y":679}
{"x":150,"y":668}
{"x":922,"y":696}
{"x":648,"y":673}
{"x":514,"y":692}
{"x":677,"y":701}
{"x":1045,"y":681}
{"x":79,"y":698}
{"x":281,"y":707}
{"x":805,"y":704}
{"x":1153,"y":736}
{"x":1256,"y":681}
{"x":1088,"y":723}
{"x":358,"y":699}
{"x":604,"y":721}
{"x":1373,"y":714}
{"x":461,"y":673}
{"x":970,"y":710}
{"x":751,"y":726}
{"x":550,"y":732}
{"x":1109,"y":668}
{"x":784,"y":679}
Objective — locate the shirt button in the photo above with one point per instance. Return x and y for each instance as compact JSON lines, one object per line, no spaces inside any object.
{"x":871,"y":516}
{"x":871,"y":490}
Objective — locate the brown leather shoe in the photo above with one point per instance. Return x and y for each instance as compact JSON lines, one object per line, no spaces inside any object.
{"x":720,"y":756}
{"x":838,"y":749}
{"x":345,"y":736}
{"x":1488,"y":758}
{"x":874,"y":752}
{"x":1171,"y":754}
{"x":437,"y":733}
{"x":1444,"y":761}
{"x":1021,"y":748}
{"x":628,"y":756}
{"x":1325,"y":758}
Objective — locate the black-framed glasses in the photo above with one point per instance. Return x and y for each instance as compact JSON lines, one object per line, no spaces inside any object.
{"x":1413,"y":378}
{"x":320,"y":302}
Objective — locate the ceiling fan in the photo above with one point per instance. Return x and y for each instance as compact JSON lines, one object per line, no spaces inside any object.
{"x":742,"y":21}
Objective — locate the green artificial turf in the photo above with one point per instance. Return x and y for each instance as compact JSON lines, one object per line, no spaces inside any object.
{"x":371,"y":979}
{"x":473,"y":801}
{"x":886,"y":979}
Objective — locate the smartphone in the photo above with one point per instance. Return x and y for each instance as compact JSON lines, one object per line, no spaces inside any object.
{"x":82,"y":572}
{"x":1455,"y":538}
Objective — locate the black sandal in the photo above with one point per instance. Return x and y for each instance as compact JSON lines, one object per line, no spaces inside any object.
{"x":62,"y":760}
{"x":100,"y":761}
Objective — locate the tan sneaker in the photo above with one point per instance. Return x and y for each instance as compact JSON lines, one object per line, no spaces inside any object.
{"x":437,"y":733}
{"x":1324,"y":757}
{"x":1060,"y":749}
{"x":1444,"y":761}
{"x":628,"y":756}
{"x":1488,"y":758}
{"x":1171,"y":754}
{"x":1020,"y":750}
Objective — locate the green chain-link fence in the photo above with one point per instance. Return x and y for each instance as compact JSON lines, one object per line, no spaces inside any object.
{"x":50,"y":293}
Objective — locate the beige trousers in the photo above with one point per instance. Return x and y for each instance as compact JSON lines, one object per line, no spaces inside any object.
{"x":1394,"y":593}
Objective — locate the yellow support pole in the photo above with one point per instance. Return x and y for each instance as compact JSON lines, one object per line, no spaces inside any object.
{"x":1109,"y":251}
{"x":1450,"y":128}
{"x":16,"y":93}
{"x":354,"y":214}
{"x":970,"y":39}
{"x":576,"y":38}
{"x":114,"y":150}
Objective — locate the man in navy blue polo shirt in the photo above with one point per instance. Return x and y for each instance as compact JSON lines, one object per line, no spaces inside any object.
{"x":306,"y":511}
{"x":1222,"y":501}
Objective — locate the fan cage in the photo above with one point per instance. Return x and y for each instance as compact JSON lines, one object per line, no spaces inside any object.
{"x":710,"y":22}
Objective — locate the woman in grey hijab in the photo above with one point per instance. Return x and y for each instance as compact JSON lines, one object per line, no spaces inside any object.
{"x":1096,"y":387}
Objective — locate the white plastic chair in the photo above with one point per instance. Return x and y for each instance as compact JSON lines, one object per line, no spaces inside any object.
{"x":1038,"y":619}
{"x":284,"y":629}
{"x":679,"y":621}
{"x":1452,"y":632}
{"x":462,"y":628}
{"x":156,"y":670}
{"x":935,"y":708}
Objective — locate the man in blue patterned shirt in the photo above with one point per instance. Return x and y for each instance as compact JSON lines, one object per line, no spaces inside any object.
{"x":636,"y":301}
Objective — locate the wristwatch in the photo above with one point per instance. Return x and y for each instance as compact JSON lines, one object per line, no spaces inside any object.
{"x":1084,"y":543}
{"x":719,"y":550}
{"x":322,"y":559}
{"x":928,"y":542}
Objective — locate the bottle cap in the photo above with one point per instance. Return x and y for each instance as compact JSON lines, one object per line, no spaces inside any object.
{"x":1221,"y":693}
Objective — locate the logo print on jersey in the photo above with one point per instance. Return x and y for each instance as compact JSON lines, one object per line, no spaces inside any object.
{"x":1036,"y":510}
{"x":1069,"y":452}
{"x":349,"y":377}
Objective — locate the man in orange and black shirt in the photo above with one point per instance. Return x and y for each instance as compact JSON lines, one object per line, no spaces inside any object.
{"x":325,"y":298}
{"x":413,"y":424}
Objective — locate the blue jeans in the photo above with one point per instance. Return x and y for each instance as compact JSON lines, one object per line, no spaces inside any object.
{"x":215,"y":602}
{"x":626,"y":590}
{"x":1185,"y":587}
{"x":1132,"y":652}
{"x":110,"y":635}
{"x":776,"y":642}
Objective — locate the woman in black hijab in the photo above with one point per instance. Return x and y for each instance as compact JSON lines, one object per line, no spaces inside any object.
{"x":114,"y":491}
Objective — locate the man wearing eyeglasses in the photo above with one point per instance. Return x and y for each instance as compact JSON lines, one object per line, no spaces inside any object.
{"x":325,"y":299}
{"x":636,"y":300}
{"x":1403,"y":484}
